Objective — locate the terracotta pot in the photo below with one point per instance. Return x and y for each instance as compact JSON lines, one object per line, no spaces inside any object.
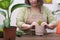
{"x":9,"y":33}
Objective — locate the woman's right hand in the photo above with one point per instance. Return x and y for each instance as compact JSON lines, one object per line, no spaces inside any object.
{"x":34,"y":24}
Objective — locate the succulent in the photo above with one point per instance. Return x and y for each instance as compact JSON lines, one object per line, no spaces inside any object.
{"x":39,"y":22}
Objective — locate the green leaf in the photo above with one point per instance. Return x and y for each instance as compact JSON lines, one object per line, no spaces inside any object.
{"x":11,"y":1}
{"x":18,"y":5}
{"x":0,"y":0}
{"x":39,"y":22}
{"x":3,"y":13}
{"x":7,"y":4}
{"x":4,"y":4}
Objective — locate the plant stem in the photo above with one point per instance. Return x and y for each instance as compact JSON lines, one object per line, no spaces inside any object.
{"x":7,"y":13}
{"x":8,"y":17}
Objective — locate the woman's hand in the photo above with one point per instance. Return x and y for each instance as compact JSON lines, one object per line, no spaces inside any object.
{"x":44,"y":24}
{"x":51,"y":25}
{"x":25,"y":27}
{"x":34,"y":24}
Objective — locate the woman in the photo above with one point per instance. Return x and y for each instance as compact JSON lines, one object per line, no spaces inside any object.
{"x":29,"y":17}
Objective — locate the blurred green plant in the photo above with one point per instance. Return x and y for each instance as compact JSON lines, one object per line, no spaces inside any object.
{"x":19,"y":33}
{"x":5,"y":5}
{"x":39,"y":22}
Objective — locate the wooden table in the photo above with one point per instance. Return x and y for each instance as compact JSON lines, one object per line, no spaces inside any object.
{"x":50,"y":36}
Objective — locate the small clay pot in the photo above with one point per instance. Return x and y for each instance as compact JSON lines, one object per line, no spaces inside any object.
{"x":9,"y":33}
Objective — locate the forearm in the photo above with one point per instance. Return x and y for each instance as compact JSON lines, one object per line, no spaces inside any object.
{"x":26,"y":25}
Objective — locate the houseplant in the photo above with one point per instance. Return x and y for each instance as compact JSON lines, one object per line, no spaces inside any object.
{"x":9,"y":32}
{"x":7,"y":29}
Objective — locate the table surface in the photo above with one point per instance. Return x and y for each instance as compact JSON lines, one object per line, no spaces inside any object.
{"x":49,"y":36}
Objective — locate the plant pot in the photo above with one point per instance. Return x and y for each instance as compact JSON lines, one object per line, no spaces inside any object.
{"x":9,"y":33}
{"x":39,"y":30}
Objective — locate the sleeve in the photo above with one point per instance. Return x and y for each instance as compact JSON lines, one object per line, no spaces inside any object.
{"x":50,"y":17}
{"x":20,"y":17}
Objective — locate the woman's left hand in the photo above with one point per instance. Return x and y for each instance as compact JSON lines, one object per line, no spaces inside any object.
{"x":51,"y":25}
{"x":44,"y":24}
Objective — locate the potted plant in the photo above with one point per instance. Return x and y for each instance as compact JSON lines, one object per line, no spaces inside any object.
{"x":9,"y":32}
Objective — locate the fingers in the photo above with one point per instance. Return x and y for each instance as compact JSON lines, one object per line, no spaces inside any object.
{"x":44,"y":24}
{"x":51,"y":25}
{"x":34,"y":24}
